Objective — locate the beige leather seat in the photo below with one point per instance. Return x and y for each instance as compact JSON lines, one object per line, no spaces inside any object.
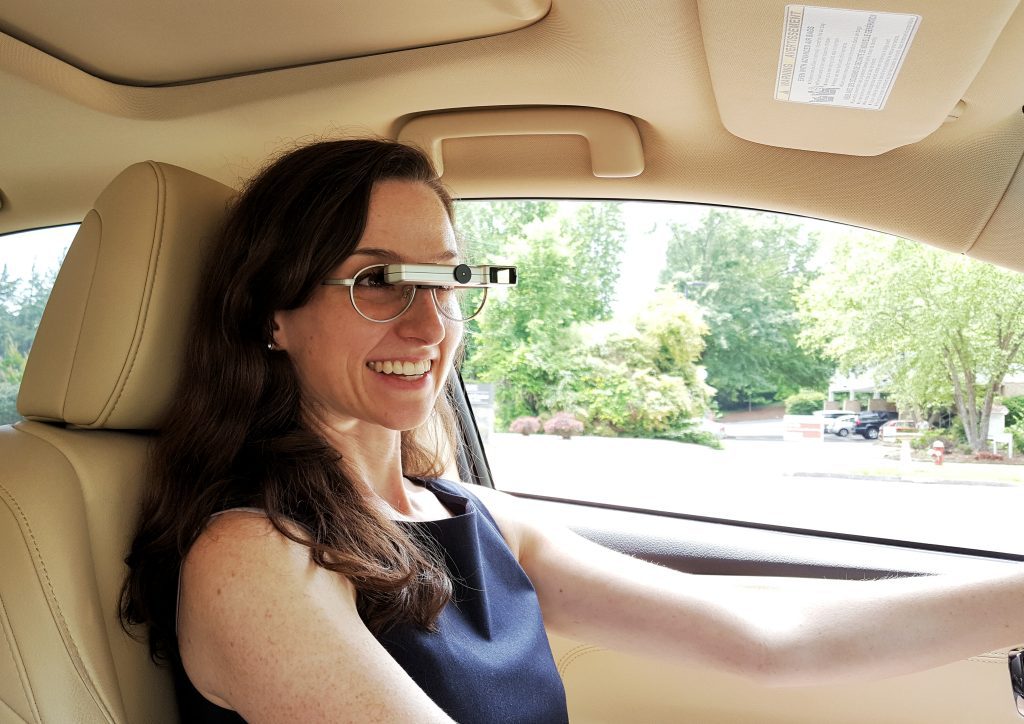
{"x":98,"y":380}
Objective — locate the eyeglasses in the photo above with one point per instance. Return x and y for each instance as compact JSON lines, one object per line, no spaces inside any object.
{"x":376,"y":299}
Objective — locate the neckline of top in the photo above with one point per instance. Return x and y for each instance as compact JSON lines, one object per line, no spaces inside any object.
{"x":458,"y":504}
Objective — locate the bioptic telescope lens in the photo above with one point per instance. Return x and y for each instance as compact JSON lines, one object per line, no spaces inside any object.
{"x":462,"y":273}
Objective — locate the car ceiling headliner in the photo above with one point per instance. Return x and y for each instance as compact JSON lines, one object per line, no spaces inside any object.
{"x":692,"y":75}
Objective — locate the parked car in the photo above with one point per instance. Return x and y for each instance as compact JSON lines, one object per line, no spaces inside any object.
{"x":897,"y":429}
{"x":829,"y":415}
{"x":842,"y":425}
{"x":868,"y":424}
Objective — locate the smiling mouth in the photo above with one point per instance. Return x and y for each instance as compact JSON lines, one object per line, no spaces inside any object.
{"x":409,"y":370}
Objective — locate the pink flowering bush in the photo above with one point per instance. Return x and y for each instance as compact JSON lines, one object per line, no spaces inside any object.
{"x":564,"y":425}
{"x":525,"y":425}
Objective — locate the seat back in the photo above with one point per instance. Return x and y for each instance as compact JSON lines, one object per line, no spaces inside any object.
{"x":98,"y":380}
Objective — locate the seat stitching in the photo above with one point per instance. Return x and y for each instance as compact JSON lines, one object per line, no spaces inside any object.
{"x":571,"y":656}
{"x":12,"y":646}
{"x":148,"y":298}
{"x":580,"y":654}
{"x":568,"y":655}
{"x":69,"y":640}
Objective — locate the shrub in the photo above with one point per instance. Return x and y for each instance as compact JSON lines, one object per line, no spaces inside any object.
{"x":694,"y":437}
{"x":1017,"y":430}
{"x":564,"y":425}
{"x":925,"y":439}
{"x":956,"y":430}
{"x":1015,"y":411}
{"x":525,"y":425}
{"x":987,"y":455}
{"x":620,"y":400}
{"x":805,"y":402}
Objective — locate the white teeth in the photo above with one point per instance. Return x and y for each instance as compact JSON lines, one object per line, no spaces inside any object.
{"x":397,"y":367}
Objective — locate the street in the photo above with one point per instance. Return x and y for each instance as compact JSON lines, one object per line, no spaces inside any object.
{"x":846,"y":486}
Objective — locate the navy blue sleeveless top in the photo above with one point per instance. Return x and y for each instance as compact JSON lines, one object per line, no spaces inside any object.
{"x":489,"y":660}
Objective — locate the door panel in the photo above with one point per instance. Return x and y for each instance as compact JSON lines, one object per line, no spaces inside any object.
{"x":610,"y":686}
{"x":606,"y":686}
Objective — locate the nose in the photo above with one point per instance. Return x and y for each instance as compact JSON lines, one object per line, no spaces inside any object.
{"x":422,"y":321}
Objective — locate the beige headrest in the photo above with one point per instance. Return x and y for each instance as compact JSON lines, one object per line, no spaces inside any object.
{"x":110,"y":342}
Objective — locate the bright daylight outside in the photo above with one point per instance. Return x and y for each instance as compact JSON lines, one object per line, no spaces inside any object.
{"x":719,"y":363}
{"x":752,"y":367}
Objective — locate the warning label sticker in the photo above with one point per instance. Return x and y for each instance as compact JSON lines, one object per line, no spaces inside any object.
{"x":846,"y":58}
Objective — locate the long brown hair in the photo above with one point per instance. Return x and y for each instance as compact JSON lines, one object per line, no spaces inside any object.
{"x":235,"y":434}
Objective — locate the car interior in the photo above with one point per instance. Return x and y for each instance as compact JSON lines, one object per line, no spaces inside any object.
{"x":139,"y":120}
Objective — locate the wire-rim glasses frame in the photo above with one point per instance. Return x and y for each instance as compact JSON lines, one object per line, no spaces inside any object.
{"x":406,"y":298}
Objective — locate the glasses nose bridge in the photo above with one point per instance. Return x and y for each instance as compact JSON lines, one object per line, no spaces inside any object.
{"x":428,"y":290}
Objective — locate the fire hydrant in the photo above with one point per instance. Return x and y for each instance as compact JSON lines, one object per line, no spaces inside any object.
{"x":938,"y":452}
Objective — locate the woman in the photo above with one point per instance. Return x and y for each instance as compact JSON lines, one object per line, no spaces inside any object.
{"x":326,"y":575}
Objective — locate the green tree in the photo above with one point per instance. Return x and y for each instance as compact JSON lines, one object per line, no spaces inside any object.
{"x":31,"y":303}
{"x":8,"y":307}
{"x":528,"y":342}
{"x":746,"y":270}
{"x":595,"y":236}
{"x":492,"y":230}
{"x":21,"y":308}
{"x":937,"y":328}
{"x":12,"y":364}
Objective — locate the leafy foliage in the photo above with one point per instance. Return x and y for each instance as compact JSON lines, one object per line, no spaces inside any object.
{"x":746,"y":270}
{"x":1017,"y":431}
{"x":8,"y":403}
{"x":1015,"y":410}
{"x":21,"y":308}
{"x":805,"y":402}
{"x":694,"y":437}
{"x":550,"y":346}
{"x":937,"y":328}
{"x":925,"y":439}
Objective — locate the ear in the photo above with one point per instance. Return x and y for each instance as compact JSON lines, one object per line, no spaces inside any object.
{"x":278,"y":328}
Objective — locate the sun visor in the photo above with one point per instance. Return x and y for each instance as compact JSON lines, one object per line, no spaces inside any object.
{"x":850,"y":79}
{"x":144,"y":42}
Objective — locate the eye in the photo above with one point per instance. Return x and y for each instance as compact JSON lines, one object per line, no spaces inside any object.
{"x":373,"y":277}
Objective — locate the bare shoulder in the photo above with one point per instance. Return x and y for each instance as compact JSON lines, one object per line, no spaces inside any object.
{"x":265,"y":631}
{"x":235,"y":541}
{"x":241,"y":553}
{"x":241,"y":570}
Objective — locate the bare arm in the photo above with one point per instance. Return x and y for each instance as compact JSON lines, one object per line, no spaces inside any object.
{"x":779,"y":631}
{"x":268,"y":633}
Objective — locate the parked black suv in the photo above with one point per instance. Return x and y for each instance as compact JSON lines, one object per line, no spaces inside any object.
{"x":867,"y":423}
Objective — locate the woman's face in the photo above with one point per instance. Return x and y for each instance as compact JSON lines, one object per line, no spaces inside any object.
{"x":339,"y":356}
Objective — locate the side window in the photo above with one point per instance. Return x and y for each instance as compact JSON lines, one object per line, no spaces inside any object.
{"x":29,"y":261}
{"x":749,"y":367}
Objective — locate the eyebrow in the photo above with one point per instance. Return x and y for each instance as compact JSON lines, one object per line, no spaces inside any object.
{"x":389,"y":255}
